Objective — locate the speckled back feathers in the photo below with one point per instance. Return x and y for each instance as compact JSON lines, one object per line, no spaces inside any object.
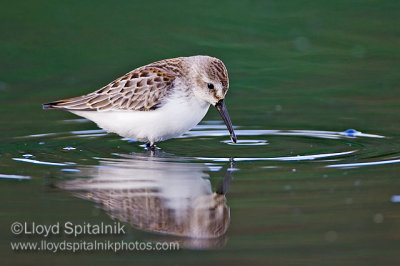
{"x":141,"y":89}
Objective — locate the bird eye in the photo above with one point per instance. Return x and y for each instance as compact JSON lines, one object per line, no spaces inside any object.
{"x":210,"y":86}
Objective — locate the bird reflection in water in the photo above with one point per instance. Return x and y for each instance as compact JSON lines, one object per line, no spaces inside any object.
{"x":160,"y":193}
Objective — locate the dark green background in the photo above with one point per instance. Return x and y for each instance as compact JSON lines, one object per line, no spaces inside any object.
{"x":315,"y":65}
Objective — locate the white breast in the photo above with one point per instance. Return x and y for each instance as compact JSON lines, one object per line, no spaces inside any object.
{"x":178,"y":115}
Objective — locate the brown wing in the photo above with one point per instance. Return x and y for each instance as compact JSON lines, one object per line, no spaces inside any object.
{"x":141,"y":90}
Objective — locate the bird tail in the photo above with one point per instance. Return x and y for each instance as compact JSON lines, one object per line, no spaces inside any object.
{"x":76,"y":104}
{"x":52,"y":105}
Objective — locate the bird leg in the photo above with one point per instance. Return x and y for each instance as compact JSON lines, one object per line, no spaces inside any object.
{"x":150,"y":146}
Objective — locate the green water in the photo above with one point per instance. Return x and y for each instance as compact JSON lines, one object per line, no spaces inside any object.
{"x":317,"y":196}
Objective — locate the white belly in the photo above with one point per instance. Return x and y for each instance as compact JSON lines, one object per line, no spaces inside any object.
{"x":171,"y":120}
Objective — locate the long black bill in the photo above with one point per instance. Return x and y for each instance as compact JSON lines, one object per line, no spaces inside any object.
{"x":221,"y":107}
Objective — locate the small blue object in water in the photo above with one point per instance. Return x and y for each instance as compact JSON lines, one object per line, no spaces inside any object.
{"x":395,"y":199}
{"x":351,"y":133}
{"x":69,"y":148}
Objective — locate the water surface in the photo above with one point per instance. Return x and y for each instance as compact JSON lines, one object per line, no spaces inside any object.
{"x":314,"y":98}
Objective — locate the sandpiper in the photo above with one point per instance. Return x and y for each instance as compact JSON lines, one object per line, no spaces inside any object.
{"x":158,"y":101}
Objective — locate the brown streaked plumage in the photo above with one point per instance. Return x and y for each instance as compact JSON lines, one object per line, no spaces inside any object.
{"x":159,"y":101}
{"x":141,"y":89}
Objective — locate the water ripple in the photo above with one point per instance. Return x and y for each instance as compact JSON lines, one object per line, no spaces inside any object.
{"x":306,"y":133}
{"x":95,"y":131}
{"x":249,"y":142}
{"x":351,"y":165}
{"x":218,"y":129}
{"x":14,"y":176}
{"x":41,"y":162}
{"x":284,"y":158}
